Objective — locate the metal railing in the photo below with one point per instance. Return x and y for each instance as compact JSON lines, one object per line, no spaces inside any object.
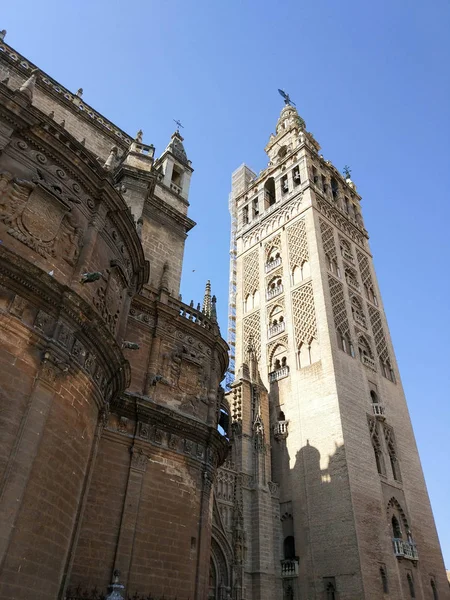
{"x":404,"y":549}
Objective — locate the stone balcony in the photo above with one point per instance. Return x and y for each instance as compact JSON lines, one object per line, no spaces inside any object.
{"x":276,"y":329}
{"x":368,"y":362}
{"x":352,"y":283}
{"x":378,"y":410}
{"x":276,"y":291}
{"x":272,"y":264}
{"x":175,"y":188}
{"x":360,"y":319}
{"x":278,"y":374}
{"x":280,"y":430}
{"x":289,"y":568}
{"x":404,"y":549}
{"x":348,"y":257}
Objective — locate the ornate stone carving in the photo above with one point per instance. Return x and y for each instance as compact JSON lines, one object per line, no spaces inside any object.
{"x":18,"y":306}
{"x":40,"y":217}
{"x":108,"y":298}
{"x":139,"y":460}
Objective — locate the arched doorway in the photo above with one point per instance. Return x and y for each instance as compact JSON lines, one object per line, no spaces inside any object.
{"x":219,"y":572}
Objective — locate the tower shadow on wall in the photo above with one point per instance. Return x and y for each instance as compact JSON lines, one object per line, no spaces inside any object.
{"x":321,"y":518}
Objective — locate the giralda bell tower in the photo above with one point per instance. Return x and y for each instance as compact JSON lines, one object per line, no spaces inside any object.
{"x":355,"y":519}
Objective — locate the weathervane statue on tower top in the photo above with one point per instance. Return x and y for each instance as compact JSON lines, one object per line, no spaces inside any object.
{"x":178,"y":123}
{"x":286,"y":98}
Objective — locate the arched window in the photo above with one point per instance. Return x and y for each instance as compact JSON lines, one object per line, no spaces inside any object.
{"x":334,"y":188}
{"x":256,"y":299}
{"x":357,"y":311}
{"x":396,"y":530}
{"x":276,"y":315}
{"x":245,"y":218}
{"x":346,"y":250}
{"x":289,"y":547}
{"x":252,"y":301}
{"x":248,"y":302}
{"x":279,"y":359}
{"x":281,"y":416}
{"x":387,"y":370}
{"x":412,"y":591}
{"x":351,"y":278}
{"x":374,"y":436}
{"x":269,"y":193}
{"x":331,"y":591}
{"x":434,"y":589}
{"x":344,"y":343}
{"x":289,"y":592}
{"x":390,"y":443}
{"x":384,"y":581}
{"x":365,"y":352}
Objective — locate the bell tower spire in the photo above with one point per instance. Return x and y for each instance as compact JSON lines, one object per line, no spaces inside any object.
{"x":207,"y":305}
{"x":305,"y":301}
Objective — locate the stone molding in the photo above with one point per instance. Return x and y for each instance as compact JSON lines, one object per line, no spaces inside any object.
{"x":65,"y":324}
{"x":139,"y":418}
{"x":24,"y":67}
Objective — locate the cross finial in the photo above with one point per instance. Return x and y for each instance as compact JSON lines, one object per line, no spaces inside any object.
{"x":178,"y":123}
{"x":347,"y":172}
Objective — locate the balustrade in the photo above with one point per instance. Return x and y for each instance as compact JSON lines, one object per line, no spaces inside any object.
{"x":272,"y":264}
{"x":289,"y":567}
{"x":274,"y":292}
{"x":278,"y":374}
{"x":276,"y":329}
{"x":378,"y":409}
{"x":368,"y":362}
{"x":404,"y":549}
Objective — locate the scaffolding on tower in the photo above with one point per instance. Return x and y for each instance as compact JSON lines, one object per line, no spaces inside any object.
{"x":232,"y":295}
{"x":239,"y":183}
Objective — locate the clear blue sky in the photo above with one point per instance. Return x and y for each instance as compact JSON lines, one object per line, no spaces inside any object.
{"x":372,"y":81}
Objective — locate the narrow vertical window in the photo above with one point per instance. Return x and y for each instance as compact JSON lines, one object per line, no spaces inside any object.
{"x":412,"y":591}
{"x":384,"y":581}
{"x":331,"y":592}
{"x":434,"y":590}
{"x":396,"y":531}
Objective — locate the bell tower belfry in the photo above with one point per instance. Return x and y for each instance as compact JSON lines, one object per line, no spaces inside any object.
{"x":355,"y":520}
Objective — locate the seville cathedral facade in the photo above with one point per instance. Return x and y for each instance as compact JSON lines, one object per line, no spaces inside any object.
{"x":126,"y":470}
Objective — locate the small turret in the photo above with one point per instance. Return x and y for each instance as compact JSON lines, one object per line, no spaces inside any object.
{"x":207,"y":306}
{"x":176,"y":167}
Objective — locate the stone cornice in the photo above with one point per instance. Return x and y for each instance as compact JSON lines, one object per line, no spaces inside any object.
{"x":170,"y":429}
{"x":150,"y":310}
{"x":24,"y":67}
{"x":160,"y":210}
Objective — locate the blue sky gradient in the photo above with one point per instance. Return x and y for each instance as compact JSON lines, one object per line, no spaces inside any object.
{"x":371,"y":80}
